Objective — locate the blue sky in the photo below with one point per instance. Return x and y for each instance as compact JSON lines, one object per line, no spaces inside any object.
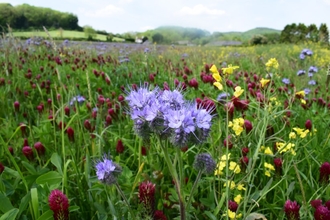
{"x":212,"y":15}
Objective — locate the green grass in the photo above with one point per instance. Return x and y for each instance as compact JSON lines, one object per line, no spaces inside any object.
{"x":65,"y":34}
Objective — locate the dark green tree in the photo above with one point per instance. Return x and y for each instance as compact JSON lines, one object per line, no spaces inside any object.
{"x":158,"y":38}
{"x":312,"y":33}
{"x":324,"y":34}
{"x":7,"y":16}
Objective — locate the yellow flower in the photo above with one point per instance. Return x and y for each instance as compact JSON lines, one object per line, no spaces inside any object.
{"x":232,"y":215}
{"x":240,"y":187}
{"x":264,"y":82}
{"x":269,"y":166}
{"x":292,"y":135}
{"x":220,"y":166}
{"x":234,"y":166}
{"x":303,"y":101}
{"x":301,"y":132}
{"x":217,"y":77}
{"x":272,"y":62}
{"x":230,"y":69}
{"x":301,"y":93}
{"x":238,"y":91}
{"x":214,"y":69}
{"x":237,"y":125}
{"x":268,"y":151}
{"x":267,"y":173}
{"x":218,"y":85}
{"x":238,"y":198}
{"x":231,"y":184}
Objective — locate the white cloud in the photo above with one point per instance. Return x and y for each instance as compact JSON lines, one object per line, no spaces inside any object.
{"x":199,"y":10}
{"x":106,"y":11}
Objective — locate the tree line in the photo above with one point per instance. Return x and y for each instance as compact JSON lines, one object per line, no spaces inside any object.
{"x":27,"y":17}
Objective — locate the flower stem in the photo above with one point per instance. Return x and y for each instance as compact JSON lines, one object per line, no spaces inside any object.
{"x":176,"y":180}
{"x":199,"y":175}
{"x":125,"y":199}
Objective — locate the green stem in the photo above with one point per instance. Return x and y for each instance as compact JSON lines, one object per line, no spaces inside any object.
{"x":174,"y":175}
{"x":199,"y":175}
{"x":125,"y":199}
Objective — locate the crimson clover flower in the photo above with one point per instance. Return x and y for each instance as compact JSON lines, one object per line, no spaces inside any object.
{"x":291,"y":209}
{"x":107,"y":171}
{"x":59,"y":204}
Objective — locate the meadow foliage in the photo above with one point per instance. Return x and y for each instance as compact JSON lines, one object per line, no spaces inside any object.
{"x":122,"y":131}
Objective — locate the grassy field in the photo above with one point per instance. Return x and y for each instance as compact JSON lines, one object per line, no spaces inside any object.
{"x":65,"y":34}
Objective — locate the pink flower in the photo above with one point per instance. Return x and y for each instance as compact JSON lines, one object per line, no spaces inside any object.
{"x":59,"y":204}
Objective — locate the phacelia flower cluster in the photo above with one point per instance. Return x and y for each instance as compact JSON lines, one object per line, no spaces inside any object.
{"x":167,"y":114}
{"x":107,"y":171}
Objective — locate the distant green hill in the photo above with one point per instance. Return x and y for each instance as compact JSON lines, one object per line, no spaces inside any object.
{"x":175,"y":34}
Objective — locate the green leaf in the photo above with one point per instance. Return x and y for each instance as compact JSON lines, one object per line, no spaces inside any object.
{"x":24,"y":204}
{"x":29,"y":168}
{"x":50,"y":178}
{"x":5,"y":203}
{"x":48,"y":215}
{"x":73,"y":208}
{"x":35,"y":202}
{"x":10,"y":215}
{"x":210,"y":215}
{"x":57,"y":162}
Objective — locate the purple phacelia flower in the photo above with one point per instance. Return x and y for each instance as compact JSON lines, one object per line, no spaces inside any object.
{"x":204,"y":163}
{"x":301,"y":72}
{"x":286,"y":81}
{"x":107,"y":171}
{"x":312,"y":69}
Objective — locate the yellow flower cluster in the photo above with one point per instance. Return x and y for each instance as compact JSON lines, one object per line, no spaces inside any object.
{"x":221,"y":164}
{"x":232,"y":215}
{"x":269,"y":167}
{"x":301,"y":132}
{"x":285,"y":147}
{"x":237,"y":125}
{"x":272,"y":63}
{"x":217,"y":77}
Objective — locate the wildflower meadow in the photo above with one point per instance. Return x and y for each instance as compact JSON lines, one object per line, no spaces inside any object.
{"x":127,"y":131}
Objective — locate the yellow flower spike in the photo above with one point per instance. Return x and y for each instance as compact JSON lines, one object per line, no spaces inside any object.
{"x":230,"y":69}
{"x":264,"y":82}
{"x":238,"y":91}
